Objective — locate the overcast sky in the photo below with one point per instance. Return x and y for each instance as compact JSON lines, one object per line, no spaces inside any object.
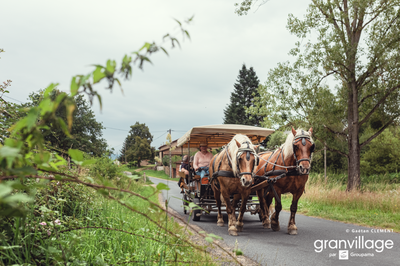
{"x":51,"y":41}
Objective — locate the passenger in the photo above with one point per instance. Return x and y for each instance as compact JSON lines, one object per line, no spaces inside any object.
{"x":184,"y":168}
{"x":202,"y":160}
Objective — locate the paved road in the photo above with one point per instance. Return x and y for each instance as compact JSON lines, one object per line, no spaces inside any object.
{"x":319,"y":241}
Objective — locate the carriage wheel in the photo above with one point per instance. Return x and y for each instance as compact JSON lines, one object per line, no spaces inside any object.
{"x":184,"y":201}
{"x":195,"y":212}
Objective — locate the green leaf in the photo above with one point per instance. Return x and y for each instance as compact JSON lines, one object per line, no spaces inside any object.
{"x":111,"y":66}
{"x":4,"y":190}
{"x":98,"y":74}
{"x":74,"y":87}
{"x":90,"y":179}
{"x":18,"y":198}
{"x":49,"y":89}
{"x":89,"y":162}
{"x":146,"y":45}
{"x":209,"y":239}
{"x":77,"y":155}
{"x":9,"y":247}
{"x":215,"y":236}
{"x":162,"y":186}
{"x":7,"y":151}
{"x":64,"y":127}
{"x":45,"y":106}
{"x":238,"y":252}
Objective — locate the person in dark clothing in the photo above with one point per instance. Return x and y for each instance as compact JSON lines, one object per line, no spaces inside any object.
{"x":184,"y":168}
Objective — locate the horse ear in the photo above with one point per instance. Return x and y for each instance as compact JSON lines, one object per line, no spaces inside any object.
{"x":256,"y":146}
{"x":294,"y":131}
{"x":238,"y":144}
{"x":310,"y":131}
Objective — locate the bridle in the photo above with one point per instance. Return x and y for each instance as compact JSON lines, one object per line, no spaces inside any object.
{"x":303,"y":137}
{"x":248,"y":151}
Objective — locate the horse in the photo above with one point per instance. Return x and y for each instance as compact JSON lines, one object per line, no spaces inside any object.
{"x":231,"y":171}
{"x":286,"y":170}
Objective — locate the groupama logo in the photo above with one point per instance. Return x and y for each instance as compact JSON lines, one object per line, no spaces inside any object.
{"x":359,"y":242}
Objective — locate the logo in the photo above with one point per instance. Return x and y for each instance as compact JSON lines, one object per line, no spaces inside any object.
{"x":343,"y":254}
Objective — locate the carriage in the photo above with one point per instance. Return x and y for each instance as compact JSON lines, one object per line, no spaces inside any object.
{"x":197,"y":189}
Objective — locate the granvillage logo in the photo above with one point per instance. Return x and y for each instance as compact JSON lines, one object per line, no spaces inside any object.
{"x":358,"y":243}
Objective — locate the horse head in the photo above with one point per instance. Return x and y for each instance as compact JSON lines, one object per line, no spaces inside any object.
{"x":246,"y":160}
{"x":303,"y":147}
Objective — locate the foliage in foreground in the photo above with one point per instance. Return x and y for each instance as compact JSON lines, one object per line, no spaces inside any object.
{"x":70,"y":223}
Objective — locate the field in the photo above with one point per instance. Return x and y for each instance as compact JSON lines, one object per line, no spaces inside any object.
{"x":375,"y":205}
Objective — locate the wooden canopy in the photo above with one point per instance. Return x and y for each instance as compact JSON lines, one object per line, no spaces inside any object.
{"x":217,"y":136}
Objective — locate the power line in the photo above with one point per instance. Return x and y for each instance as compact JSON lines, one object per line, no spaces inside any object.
{"x":12,"y":98}
{"x":117,"y":129}
{"x":160,"y":136}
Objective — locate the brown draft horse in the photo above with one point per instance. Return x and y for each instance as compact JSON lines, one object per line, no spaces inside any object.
{"x":288,"y":168}
{"x":231,"y":171}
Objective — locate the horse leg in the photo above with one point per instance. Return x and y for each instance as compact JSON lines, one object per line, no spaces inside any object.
{"x":275,"y":216}
{"x":231,"y":214}
{"x":264,"y":210}
{"x":236,"y":198}
{"x":239,"y":223}
{"x":217,"y":196}
{"x":292,"y":228}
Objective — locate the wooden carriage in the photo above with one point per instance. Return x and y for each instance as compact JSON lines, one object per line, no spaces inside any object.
{"x":198,"y":190}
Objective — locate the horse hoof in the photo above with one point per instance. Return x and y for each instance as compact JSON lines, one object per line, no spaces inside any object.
{"x":292,"y":232}
{"x":220,"y":224}
{"x":233,"y":233}
{"x":239,"y":228}
{"x":267,"y":226}
{"x":275,"y":227}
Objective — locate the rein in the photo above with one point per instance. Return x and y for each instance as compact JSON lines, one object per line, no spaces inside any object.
{"x":297,"y":139}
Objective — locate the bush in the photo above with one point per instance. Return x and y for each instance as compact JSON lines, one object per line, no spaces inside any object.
{"x":104,"y":167}
{"x":174,"y":160}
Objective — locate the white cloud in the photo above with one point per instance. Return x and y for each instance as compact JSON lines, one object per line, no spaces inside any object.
{"x":51,"y":41}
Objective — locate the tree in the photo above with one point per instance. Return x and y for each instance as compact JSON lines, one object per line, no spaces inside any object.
{"x":345,"y":80}
{"x":242,"y":97}
{"x":86,"y":132}
{"x":136,"y":146}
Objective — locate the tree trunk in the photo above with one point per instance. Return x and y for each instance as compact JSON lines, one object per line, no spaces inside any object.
{"x":354,"y":179}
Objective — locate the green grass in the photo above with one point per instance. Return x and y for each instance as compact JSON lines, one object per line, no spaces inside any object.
{"x":140,"y":242}
{"x":370,"y":208}
{"x":158,"y":174}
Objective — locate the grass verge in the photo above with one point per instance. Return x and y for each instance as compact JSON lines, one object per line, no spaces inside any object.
{"x":158,"y":174}
{"x":376,"y":205}
{"x":74,"y":225}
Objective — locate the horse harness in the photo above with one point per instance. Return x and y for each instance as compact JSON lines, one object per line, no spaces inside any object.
{"x":283,"y":173}
{"x":246,"y":150}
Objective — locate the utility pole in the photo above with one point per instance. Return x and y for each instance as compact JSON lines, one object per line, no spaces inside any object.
{"x":170,"y":164}
{"x":325,"y":161}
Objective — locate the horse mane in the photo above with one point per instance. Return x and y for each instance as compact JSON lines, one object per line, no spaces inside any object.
{"x":233,"y":149}
{"x":287,"y":147}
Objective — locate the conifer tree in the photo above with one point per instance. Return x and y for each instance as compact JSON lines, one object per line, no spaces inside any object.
{"x":242,"y":97}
